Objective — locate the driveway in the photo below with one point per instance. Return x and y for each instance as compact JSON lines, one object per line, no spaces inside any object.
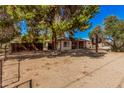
{"x":73,"y":71}
{"x":109,"y":75}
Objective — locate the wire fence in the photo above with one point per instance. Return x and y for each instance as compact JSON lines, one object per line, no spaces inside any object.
{"x":0,"y":73}
{"x":26,"y":84}
{"x":8,"y":77}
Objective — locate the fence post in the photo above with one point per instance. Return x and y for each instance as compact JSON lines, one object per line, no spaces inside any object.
{"x":0,"y":73}
{"x":18,"y":70}
{"x":30,"y":83}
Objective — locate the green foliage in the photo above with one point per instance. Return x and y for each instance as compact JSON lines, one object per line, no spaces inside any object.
{"x":97,"y":30}
{"x":7,"y":31}
{"x":114,"y":30}
{"x":73,"y":17}
{"x":49,"y":19}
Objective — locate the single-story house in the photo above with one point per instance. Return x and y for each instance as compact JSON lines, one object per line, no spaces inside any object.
{"x":67,"y":44}
{"x":62,"y":44}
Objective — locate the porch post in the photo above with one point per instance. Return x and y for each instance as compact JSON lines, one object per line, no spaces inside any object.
{"x":78,"y":45}
{"x":45,"y":46}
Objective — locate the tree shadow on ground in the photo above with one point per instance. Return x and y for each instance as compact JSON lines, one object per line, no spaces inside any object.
{"x":52,"y":54}
{"x":81,"y":53}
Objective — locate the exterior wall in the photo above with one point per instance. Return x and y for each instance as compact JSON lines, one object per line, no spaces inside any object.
{"x":78,"y":44}
{"x":83,"y":44}
{"x":88,"y":44}
{"x":45,"y":46}
{"x":74,"y":44}
{"x":58,"y":45}
{"x":63,"y":47}
{"x":100,"y":46}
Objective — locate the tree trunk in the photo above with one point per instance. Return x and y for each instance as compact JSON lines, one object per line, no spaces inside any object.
{"x":96,"y":43}
{"x":55,"y":42}
{"x":60,"y":45}
{"x":0,"y":45}
{"x":34,"y":47}
{"x":54,"y":39}
{"x":115,"y":48}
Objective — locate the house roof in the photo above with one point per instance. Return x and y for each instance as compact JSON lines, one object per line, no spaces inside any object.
{"x":86,"y":39}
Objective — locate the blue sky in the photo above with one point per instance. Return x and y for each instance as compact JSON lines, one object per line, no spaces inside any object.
{"x":105,"y":10}
{"x":23,"y":26}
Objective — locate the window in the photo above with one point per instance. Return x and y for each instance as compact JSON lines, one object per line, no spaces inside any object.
{"x":66,"y":44}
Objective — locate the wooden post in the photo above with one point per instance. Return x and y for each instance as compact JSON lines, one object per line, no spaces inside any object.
{"x":0,"y":73}
{"x":18,"y":70}
{"x":5,"y":53}
{"x":30,"y":83}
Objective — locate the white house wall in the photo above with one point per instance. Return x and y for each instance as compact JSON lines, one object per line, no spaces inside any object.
{"x":88,"y":44}
{"x":69,"y":47}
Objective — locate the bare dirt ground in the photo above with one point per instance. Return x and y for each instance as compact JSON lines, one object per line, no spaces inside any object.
{"x":75,"y":69}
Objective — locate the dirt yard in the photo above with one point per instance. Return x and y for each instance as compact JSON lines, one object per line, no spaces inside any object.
{"x":72,"y":70}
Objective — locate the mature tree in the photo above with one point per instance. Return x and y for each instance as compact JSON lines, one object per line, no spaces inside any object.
{"x":57,"y":19}
{"x":19,"y":13}
{"x":62,"y":19}
{"x":7,"y":29}
{"x":114,"y":31}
